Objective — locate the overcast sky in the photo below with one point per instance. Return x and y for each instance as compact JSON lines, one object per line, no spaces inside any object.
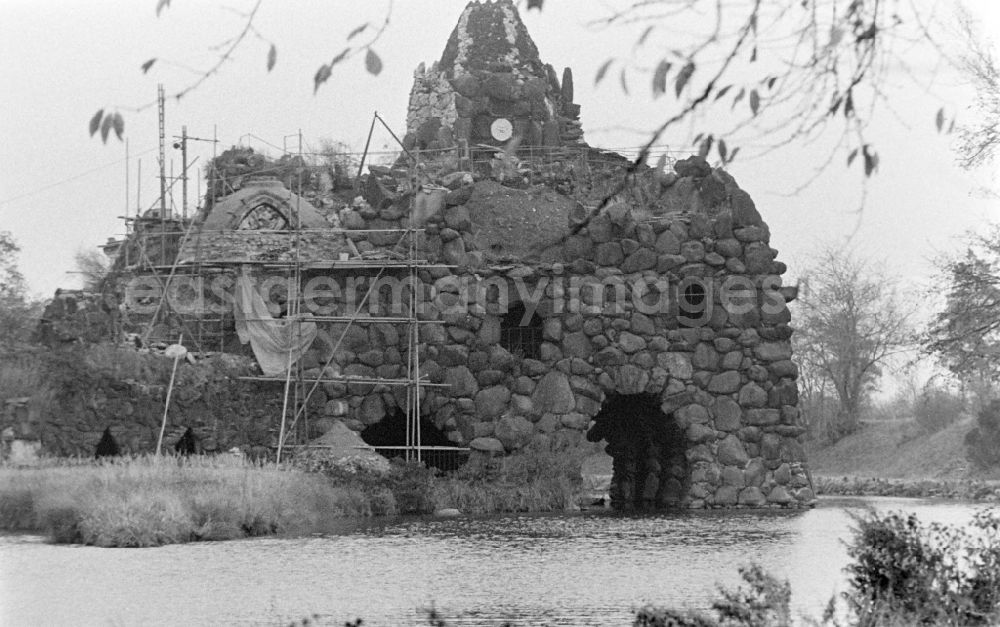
{"x":61,"y":60}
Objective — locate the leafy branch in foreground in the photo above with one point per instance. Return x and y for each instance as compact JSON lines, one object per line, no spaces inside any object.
{"x":800,"y":68}
{"x":106,"y":121}
{"x":373,"y":63}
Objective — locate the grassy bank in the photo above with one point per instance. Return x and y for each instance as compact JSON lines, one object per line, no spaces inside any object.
{"x":896,"y":450}
{"x":149,"y":501}
{"x":896,"y":458}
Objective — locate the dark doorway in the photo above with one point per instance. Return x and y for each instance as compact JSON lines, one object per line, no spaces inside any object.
{"x":389,"y":437}
{"x":647,"y":449}
{"x":187,"y":444}
{"x":107,"y":447}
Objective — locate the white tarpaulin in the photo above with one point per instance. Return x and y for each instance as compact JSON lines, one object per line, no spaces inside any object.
{"x":271,"y":339}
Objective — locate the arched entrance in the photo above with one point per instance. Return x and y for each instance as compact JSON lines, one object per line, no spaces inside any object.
{"x":388,"y":436}
{"x":647,"y":449}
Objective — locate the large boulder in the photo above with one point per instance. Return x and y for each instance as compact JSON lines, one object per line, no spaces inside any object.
{"x":492,"y":401}
{"x":499,"y":215}
{"x":514,"y":432}
{"x":460,"y":381}
{"x":553,"y":394}
{"x":732,"y":453}
{"x":728,"y":414}
{"x":631,"y":379}
{"x":677,"y":364}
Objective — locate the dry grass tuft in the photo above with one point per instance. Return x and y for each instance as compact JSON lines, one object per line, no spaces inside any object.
{"x":150,"y":501}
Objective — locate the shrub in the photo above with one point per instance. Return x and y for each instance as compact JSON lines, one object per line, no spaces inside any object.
{"x":17,"y":509}
{"x":536,"y":478}
{"x":915,"y":574}
{"x":386,"y":487}
{"x":982,"y":442}
{"x":937,"y":407}
{"x":412,"y":485}
{"x":902,"y":573}
{"x":528,"y":464}
{"x":765,"y":604}
{"x":61,"y":523}
{"x":533,"y":479}
{"x":144,"y":518}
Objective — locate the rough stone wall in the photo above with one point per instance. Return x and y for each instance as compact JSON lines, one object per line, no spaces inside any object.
{"x":90,"y":388}
{"x":431,"y":97}
{"x":726,"y":380}
{"x":490,"y":36}
{"x":262,"y":246}
{"x":76,"y":316}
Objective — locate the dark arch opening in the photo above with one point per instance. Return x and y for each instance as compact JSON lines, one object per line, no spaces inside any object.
{"x":647,"y":449}
{"x":390,"y":432}
{"x":520,"y":336}
{"x":107,"y":447}
{"x":187,"y":444}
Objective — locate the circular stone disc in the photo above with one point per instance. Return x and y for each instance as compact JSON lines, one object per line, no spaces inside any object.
{"x":501,"y":129}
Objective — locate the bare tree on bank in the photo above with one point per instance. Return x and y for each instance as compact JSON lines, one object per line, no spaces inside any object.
{"x":851,"y":322}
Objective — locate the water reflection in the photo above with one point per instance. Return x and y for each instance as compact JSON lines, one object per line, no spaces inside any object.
{"x":548,"y":569}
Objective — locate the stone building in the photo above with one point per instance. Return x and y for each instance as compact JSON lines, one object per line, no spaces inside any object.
{"x":561,"y":296}
{"x":559,"y":293}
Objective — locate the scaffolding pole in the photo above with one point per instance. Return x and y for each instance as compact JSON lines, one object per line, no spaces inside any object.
{"x":160,"y":101}
{"x":297,"y":391}
{"x":184,"y":174}
{"x":293,"y":308}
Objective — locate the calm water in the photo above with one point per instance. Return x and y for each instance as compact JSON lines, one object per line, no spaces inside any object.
{"x":531,"y":570}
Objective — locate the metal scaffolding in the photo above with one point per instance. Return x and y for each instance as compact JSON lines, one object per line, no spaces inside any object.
{"x":207,"y":333}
